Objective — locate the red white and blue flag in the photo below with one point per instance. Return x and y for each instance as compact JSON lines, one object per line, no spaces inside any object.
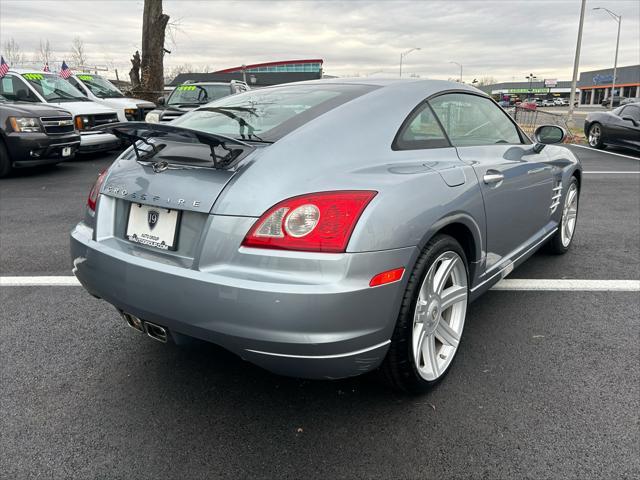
{"x":65,"y":72}
{"x":46,"y":67}
{"x":4,"y":68}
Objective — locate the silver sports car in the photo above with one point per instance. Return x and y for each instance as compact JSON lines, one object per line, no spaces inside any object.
{"x":325,"y":229}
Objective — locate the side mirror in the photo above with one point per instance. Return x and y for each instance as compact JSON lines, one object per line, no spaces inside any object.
{"x":632,"y":120}
{"x":161,"y":100}
{"x":547,"y":135}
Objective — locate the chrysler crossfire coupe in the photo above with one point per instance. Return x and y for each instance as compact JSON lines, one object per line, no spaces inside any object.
{"x":325,"y":229}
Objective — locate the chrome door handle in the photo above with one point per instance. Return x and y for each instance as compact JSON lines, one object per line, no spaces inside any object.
{"x":493,"y":176}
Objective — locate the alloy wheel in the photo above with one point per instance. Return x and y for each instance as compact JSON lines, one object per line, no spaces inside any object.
{"x":439,"y":315}
{"x":594,"y":135}
{"x":569,"y":215}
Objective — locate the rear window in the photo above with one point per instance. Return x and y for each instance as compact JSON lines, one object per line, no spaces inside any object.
{"x":197,"y":94}
{"x":270,"y":113}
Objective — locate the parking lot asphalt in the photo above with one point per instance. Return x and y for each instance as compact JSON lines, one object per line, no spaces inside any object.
{"x":545,"y":385}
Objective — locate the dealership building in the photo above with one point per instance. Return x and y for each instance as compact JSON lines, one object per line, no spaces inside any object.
{"x":593,"y":86}
{"x":260,"y":74}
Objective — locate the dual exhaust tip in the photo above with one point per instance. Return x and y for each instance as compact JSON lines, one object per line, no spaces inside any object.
{"x":151,"y":329}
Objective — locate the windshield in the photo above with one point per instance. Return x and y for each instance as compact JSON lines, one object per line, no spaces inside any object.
{"x":269,"y":114}
{"x":54,"y":88}
{"x":197,"y":94}
{"x":99,"y":86}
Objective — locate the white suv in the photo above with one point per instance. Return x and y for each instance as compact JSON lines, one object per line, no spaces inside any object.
{"x":43,"y":87}
{"x":100,"y":90}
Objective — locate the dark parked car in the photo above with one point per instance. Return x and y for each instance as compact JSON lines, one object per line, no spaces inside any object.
{"x":619,"y":127}
{"x":616,"y":101}
{"x":189,"y":96}
{"x":34,"y":134}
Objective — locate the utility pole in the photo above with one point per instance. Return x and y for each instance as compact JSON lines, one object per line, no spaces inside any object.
{"x":618,"y":19}
{"x":404,"y":54}
{"x":460,"y":65}
{"x":576,"y":65}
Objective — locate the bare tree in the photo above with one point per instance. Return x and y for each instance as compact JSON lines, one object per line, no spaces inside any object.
{"x":44,"y":53}
{"x":154,"y":24}
{"x":13,"y":53}
{"x":78,"y":55}
{"x":482,"y":81}
{"x":134,"y":73}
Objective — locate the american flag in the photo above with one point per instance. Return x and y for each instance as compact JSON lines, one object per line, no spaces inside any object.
{"x":65,"y":72}
{"x":4,"y":68}
{"x":46,"y":67}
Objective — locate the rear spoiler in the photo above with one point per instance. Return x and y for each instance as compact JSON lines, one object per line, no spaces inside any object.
{"x":229,"y":150}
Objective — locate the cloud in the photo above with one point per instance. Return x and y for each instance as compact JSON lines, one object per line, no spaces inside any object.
{"x":503,"y":39}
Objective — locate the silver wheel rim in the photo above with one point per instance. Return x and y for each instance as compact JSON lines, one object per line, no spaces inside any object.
{"x":569,"y":215}
{"x":594,"y":135}
{"x":439,"y":315}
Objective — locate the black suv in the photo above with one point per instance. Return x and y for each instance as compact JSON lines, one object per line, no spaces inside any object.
{"x":34,"y":134}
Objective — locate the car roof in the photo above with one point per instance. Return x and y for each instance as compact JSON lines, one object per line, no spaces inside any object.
{"x":206,"y":83}
{"x":29,"y":70}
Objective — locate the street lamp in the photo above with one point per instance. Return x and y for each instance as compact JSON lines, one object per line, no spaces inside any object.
{"x":531,"y":77}
{"x":404,"y":54}
{"x":460,"y":65}
{"x":617,"y":18}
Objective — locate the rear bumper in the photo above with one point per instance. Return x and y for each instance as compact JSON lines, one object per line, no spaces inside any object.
{"x":336,"y":327}
{"x":32,"y":149}
{"x":97,"y":142}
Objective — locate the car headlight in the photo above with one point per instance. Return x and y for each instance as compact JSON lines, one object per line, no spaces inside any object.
{"x":152,"y":117}
{"x":130,"y":113}
{"x":82,"y":122}
{"x":25,"y":124}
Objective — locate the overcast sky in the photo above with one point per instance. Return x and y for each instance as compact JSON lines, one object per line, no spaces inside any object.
{"x":506,"y":40}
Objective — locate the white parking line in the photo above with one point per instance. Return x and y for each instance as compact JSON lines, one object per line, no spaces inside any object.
{"x":510,"y":284}
{"x":611,"y":172}
{"x":557,"y":285}
{"x":605,"y":152}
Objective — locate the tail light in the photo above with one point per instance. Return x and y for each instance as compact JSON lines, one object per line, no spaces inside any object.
{"x":317,"y":222}
{"x":95,"y":190}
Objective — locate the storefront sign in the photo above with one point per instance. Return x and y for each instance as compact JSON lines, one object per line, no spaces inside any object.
{"x":551,"y":82}
{"x":528,"y":90}
{"x":602,"y":79}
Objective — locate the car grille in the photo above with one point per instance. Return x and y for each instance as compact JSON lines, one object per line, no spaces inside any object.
{"x":57,"y":125}
{"x":168,"y":116}
{"x":103,"y":119}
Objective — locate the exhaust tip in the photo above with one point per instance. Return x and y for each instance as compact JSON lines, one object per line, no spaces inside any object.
{"x":156,"y":332}
{"x":133,"y":321}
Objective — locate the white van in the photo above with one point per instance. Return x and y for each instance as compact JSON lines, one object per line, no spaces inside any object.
{"x":34,"y":86}
{"x":100,"y":90}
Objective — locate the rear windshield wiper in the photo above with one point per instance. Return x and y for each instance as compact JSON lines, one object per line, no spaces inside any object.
{"x":229,"y":150}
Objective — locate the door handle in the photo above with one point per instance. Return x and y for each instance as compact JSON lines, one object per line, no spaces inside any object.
{"x":493,"y":177}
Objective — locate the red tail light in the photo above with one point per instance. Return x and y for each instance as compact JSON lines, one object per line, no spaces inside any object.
{"x":95,"y":190}
{"x":317,"y":222}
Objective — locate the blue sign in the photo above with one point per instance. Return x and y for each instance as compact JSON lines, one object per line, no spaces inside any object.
{"x":602,"y":79}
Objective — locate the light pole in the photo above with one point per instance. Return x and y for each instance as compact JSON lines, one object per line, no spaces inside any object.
{"x":531,"y":77}
{"x":460,"y":65}
{"x":617,"y":18}
{"x":404,"y":54}
{"x":576,"y":64}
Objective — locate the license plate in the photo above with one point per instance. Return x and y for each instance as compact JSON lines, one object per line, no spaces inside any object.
{"x":66,"y":151}
{"x":153,"y":226}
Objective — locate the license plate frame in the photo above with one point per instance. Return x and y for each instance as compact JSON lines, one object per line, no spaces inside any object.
{"x":138,"y":227}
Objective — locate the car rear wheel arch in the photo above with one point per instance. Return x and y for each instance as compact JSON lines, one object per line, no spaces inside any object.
{"x":466,"y":233}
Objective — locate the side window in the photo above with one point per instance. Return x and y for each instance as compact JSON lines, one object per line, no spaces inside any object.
{"x":76,"y":84}
{"x":421,"y":130}
{"x":631,"y":111}
{"x":471,"y":120}
{"x":13,"y":89}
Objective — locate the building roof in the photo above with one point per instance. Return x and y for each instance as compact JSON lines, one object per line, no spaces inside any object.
{"x":269,"y":64}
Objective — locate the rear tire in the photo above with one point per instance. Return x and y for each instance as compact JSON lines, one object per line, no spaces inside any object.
{"x":5,"y":161}
{"x":431,"y":320}
{"x":594,"y":136}
{"x":560,"y":243}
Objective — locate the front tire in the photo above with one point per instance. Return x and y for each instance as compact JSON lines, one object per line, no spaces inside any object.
{"x":431,"y":320}
{"x":560,"y":243}
{"x":5,"y":161}
{"x":595,"y":136}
